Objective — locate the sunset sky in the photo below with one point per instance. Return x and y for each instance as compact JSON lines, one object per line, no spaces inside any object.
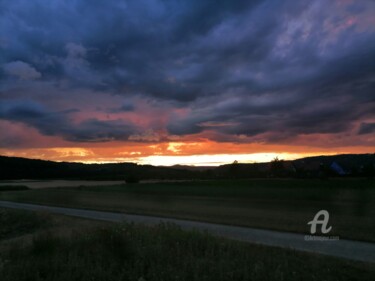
{"x":186,"y":82}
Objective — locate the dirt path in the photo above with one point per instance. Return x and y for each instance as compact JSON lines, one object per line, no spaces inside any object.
{"x":348,"y":249}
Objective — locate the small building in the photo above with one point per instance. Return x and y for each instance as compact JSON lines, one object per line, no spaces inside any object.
{"x":335,"y":167}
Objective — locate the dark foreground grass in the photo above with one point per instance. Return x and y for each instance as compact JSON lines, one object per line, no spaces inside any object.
{"x":165,"y":252}
{"x":277,"y":204}
{"x":18,"y":222}
{"x":13,"y":187}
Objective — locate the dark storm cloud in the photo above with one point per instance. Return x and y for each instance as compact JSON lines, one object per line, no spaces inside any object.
{"x":126,"y":107}
{"x":238,"y":67}
{"x":318,"y":110}
{"x":59,"y":124}
{"x":130,"y":46}
{"x":93,"y":130}
{"x":33,"y":114}
{"x":366,"y":128}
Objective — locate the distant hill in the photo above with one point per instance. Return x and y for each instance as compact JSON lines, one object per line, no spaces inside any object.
{"x":194,"y":168}
{"x":23,"y":168}
{"x":337,"y":165}
{"x":355,"y":165}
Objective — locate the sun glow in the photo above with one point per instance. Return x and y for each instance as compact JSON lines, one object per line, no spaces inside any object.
{"x":174,"y":153}
{"x":216,"y":159}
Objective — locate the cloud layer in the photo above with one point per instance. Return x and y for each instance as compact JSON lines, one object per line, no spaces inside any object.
{"x":226,"y":71}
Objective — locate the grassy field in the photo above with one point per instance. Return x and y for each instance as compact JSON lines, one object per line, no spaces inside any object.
{"x":13,"y":187}
{"x":163,"y":252}
{"x":280,"y":204}
{"x":16,"y":222}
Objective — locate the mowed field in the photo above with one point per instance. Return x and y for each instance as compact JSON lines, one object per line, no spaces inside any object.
{"x":279,"y":204}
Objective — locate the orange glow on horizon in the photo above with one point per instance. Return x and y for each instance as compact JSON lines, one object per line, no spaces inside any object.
{"x":194,"y":153}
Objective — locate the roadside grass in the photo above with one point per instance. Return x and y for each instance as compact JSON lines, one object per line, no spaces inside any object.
{"x":278,"y":204}
{"x":15,"y":223}
{"x":165,"y":252}
{"x":13,"y":187}
{"x":20,"y":225}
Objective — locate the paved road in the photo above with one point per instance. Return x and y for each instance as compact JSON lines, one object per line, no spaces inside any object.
{"x":354,"y":250}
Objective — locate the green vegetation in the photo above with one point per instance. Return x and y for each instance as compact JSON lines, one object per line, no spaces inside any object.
{"x":18,"y":222}
{"x":132,"y":179}
{"x":280,"y":204}
{"x":164,"y":252}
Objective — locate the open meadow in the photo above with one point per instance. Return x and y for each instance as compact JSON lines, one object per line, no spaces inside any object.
{"x":278,"y":204}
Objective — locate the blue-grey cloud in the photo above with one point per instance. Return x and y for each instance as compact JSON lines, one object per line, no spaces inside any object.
{"x":256,"y":66}
{"x":126,"y":107}
{"x":366,"y":128}
{"x":52,"y":123}
{"x":21,"y":70}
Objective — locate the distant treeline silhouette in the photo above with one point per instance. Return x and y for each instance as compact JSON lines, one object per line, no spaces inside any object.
{"x":348,"y":165}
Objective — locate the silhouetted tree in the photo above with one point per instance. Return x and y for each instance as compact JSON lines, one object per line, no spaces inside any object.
{"x":277,"y":167}
{"x":234,"y":169}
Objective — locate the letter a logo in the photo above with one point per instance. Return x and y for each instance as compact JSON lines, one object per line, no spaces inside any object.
{"x":323,"y":222}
